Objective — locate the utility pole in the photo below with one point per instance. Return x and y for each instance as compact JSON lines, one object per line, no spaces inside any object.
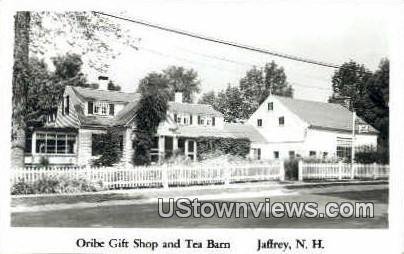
{"x":353,"y":136}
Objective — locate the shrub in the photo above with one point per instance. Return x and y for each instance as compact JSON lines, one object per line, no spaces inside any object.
{"x":49,"y":185}
{"x":21,"y":187}
{"x":369,"y":154}
{"x":109,"y":144}
{"x":231,"y":146}
{"x":44,"y":162}
{"x":291,"y":169}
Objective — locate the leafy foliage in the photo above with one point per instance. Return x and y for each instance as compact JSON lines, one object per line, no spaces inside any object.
{"x":174,"y":79}
{"x":232,"y":146}
{"x":54,"y":184}
{"x":109,"y":145}
{"x":47,"y":87}
{"x":84,"y":33}
{"x":237,"y":103}
{"x":113,"y":87}
{"x":370,"y":96}
{"x":151,"y":110}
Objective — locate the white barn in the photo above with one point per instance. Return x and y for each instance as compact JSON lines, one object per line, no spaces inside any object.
{"x":300,"y":128}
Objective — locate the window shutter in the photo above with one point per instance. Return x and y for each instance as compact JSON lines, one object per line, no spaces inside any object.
{"x":63,"y":106}
{"x":67,"y":105}
{"x":199,"y":120}
{"x":90,"y":108}
{"x":213,"y":121}
{"x":175,"y":117}
{"x":190,"y":119}
{"x":111,"y":109}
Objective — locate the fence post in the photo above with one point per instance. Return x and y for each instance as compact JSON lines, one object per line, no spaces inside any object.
{"x":164,"y":177}
{"x":300,"y":170}
{"x":374,"y":170}
{"x":281,"y":171}
{"x":227,"y":175}
{"x":353,"y":168}
{"x":340,"y":170}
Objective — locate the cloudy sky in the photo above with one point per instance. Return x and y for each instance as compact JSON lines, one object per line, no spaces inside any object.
{"x":332,"y":33}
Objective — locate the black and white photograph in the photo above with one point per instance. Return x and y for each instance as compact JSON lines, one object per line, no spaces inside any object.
{"x":202,"y":115}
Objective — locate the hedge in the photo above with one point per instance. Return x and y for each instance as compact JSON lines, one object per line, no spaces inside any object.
{"x":233,"y":146}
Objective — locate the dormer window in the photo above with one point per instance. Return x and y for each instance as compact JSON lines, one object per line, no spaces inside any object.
{"x":100,"y":108}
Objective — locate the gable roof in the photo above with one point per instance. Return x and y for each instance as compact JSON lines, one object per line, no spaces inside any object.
{"x":321,"y":115}
{"x":194,"y":109}
{"x":240,"y":130}
{"x":130,"y":102}
{"x":103,"y":95}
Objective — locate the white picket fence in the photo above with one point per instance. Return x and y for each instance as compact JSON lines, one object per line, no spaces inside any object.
{"x":340,"y":171}
{"x":158,"y":176}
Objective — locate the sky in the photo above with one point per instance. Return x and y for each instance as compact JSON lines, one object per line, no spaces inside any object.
{"x":333,"y":33}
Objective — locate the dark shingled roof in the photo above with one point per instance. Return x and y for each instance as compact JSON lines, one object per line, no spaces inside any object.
{"x":195,"y":109}
{"x":322,"y":115}
{"x":240,"y":130}
{"x":128,"y":112}
{"x":103,"y":95}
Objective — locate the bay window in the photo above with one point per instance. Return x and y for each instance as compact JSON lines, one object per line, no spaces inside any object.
{"x":52,"y":143}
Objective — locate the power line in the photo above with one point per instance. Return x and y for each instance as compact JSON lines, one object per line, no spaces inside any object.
{"x":223,"y":42}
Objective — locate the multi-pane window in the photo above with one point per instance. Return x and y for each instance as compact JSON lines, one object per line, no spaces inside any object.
{"x":52,"y":143}
{"x":312,"y":153}
{"x":344,"y":147}
{"x":100,"y":108}
{"x":206,"y":120}
{"x":259,"y":122}
{"x":270,"y":106}
{"x":257,"y":153}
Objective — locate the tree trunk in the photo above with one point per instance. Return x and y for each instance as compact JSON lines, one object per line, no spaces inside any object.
{"x":20,"y":86}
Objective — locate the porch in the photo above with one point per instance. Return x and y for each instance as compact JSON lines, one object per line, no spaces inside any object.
{"x":166,"y":146}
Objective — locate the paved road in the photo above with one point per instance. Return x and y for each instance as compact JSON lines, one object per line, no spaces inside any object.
{"x":135,"y":214}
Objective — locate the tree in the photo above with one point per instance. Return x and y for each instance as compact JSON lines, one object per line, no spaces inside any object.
{"x":109,"y":147}
{"x":239,"y":103}
{"x":113,"y":87}
{"x":231,"y":104}
{"x":350,"y":80}
{"x":259,"y":83}
{"x":378,"y":104}
{"x":174,"y":79}
{"x":208,"y":98}
{"x":151,"y":110}
{"x":51,"y":85}
{"x":182,"y":80}
{"x":85,"y":33}
{"x":20,"y":85}
{"x":369,"y":93}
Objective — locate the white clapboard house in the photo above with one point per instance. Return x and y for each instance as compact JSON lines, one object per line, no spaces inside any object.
{"x":280,"y":128}
{"x":84,"y":113}
{"x":293,"y":128}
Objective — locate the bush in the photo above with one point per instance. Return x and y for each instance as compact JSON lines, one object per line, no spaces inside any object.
{"x":232,"y":146}
{"x":109,"y":145}
{"x":291,"y":169}
{"x":49,"y":185}
{"x":21,"y":187}
{"x":368,"y":155}
{"x":44,"y":162}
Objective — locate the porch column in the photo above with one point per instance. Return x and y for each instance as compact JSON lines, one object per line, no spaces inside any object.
{"x":195,"y":151}
{"x":186,"y":148}
{"x":161,"y":147}
{"x":33,"y":143}
{"x":175,"y":143}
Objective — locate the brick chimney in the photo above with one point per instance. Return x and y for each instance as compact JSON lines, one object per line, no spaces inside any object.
{"x":103,"y":82}
{"x":178,"y":97}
